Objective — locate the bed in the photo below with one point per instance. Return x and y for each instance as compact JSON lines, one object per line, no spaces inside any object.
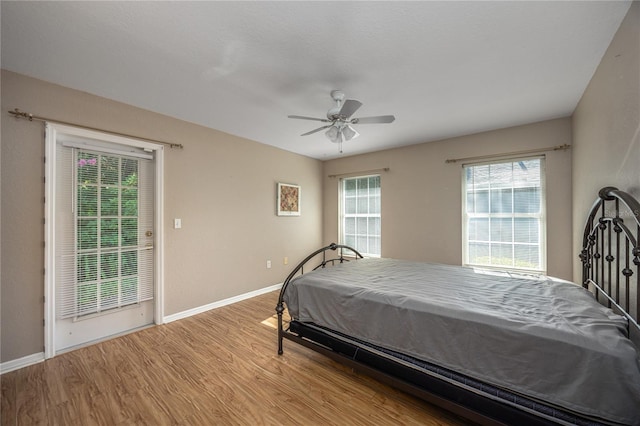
{"x":494,"y":347}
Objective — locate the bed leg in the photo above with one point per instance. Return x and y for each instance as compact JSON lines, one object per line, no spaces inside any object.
{"x":279,"y":311}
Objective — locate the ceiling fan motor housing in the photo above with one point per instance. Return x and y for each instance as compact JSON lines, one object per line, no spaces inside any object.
{"x":334,"y":113}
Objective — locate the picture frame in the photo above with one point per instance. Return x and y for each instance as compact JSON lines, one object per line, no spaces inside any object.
{"x":289,"y":199}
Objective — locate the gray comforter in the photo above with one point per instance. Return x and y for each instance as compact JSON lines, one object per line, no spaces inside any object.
{"x":541,"y":337}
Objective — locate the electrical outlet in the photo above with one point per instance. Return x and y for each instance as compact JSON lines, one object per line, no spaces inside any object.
{"x":285,"y":260}
{"x":268,"y":264}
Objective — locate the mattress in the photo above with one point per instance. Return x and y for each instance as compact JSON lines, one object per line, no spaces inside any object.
{"x":541,"y":337}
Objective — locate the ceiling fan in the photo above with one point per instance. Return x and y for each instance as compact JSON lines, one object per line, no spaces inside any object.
{"x":339,"y":117}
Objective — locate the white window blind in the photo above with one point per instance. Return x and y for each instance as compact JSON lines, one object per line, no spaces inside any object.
{"x":504,"y":214}
{"x":103,"y":262}
{"x":361,"y":214}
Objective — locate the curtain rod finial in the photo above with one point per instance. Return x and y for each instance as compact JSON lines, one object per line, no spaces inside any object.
{"x":19,"y":114}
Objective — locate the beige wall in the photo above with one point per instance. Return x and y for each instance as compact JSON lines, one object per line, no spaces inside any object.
{"x":221,"y":251}
{"x":606,"y":124}
{"x":421,"y":194}
{"x":223,"y":187}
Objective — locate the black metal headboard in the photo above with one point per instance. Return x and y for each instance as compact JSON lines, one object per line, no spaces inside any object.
{"x":339,"y":257}
{"x":611,"y":252}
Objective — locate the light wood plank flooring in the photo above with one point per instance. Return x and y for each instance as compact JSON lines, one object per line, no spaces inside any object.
{"x":216,"y":368}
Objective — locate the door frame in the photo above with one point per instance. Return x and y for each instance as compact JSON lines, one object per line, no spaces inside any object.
{"x":52,"y":130}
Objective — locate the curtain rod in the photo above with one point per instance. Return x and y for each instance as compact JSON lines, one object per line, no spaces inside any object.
{"x":511,"y":154}
{"x":384,"y":169}
{"x":27,"y":116}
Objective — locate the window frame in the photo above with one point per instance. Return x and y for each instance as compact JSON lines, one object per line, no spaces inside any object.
{"x":342,"y":215}
{"x":542,"y":217}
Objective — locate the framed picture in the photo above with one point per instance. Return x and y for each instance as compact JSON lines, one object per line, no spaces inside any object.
{"x":288,"y":199}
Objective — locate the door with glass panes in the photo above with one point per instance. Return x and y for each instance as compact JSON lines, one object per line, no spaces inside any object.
{"x":104,"y":261}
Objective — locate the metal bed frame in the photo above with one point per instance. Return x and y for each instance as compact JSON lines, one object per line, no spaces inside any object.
{"x":610,"y":253}
{"x":611,"y":267}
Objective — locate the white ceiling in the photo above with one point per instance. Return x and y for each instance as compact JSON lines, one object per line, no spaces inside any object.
{"x":443,"y":68}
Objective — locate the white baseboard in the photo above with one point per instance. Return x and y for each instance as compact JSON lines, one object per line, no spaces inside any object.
{"x":25,"y":361}
{"x":28,"y":360}
{"x":219,"y":304}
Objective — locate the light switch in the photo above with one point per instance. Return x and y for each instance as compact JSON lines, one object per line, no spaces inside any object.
{"x":177,"y":223}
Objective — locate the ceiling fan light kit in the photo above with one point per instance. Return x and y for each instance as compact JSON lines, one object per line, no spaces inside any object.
{"x":341,"y":132}
{"x":333,"y":134}
{"x":349,"y":133}
{"x":339,"y":117}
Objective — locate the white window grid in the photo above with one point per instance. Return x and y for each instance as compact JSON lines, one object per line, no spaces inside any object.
{"x":493,"y":238}
{"x":361,"y":219}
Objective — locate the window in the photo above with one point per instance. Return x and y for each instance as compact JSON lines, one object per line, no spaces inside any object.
{"x":503,"y":211}
{"x":360,"y":214}
{"x":107,"y":232}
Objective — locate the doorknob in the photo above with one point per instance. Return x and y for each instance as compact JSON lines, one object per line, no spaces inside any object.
{"x":149,"y":233}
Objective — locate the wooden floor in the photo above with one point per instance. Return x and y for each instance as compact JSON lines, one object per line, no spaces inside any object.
{"x":216,"y":368}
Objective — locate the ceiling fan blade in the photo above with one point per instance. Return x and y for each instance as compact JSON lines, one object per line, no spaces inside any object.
{"x":349,"y":107}
{"x":316,"y":130}
{"x":372,"y":120}
{"x":324,"y":120}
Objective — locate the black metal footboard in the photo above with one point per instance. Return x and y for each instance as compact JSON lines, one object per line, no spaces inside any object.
{"x":611,"y":253}
{"x":328,"y":255}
